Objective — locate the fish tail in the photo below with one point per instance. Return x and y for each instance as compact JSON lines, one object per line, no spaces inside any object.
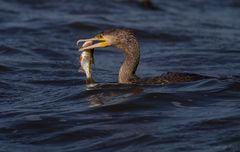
{"x":90,"y":80}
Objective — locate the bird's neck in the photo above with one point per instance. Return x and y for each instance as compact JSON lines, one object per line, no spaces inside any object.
{"x":130,"y":64}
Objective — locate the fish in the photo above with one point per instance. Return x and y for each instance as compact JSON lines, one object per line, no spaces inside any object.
{"x":86,"y":61}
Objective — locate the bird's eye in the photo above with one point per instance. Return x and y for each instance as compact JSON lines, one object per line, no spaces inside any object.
{"x":99,"y":36}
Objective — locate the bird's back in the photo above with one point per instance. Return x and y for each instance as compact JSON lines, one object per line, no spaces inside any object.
{"x":173,"y":78}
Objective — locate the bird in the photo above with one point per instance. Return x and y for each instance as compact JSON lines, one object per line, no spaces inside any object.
{"x":126,"y":40}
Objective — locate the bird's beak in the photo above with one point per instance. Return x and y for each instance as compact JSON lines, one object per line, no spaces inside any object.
{"x":101,"y":42}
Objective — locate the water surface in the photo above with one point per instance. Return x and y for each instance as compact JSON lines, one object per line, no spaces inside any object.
{"x":46,"y":106}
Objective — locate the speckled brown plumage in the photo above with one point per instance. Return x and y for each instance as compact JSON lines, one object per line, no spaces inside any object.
{"x":125,"y":40}
{"x":172,"y":78}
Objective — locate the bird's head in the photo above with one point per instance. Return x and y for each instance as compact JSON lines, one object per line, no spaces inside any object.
{"x":118,"y":38}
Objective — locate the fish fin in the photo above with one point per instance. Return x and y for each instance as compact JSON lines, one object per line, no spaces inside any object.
{"x":90,"y":80}
{"x":92,"y":61}
{"x":81,"y":69}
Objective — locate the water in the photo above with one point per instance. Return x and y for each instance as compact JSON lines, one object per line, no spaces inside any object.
{"x":46,"y":106}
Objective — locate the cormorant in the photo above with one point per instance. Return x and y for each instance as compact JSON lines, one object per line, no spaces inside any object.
{"x":125,"y":40}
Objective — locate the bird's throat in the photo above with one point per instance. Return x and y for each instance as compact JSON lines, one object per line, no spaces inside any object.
{"x":129,"y":66}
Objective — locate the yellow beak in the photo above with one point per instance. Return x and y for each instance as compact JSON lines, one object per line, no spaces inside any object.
{"x":101,"y":43}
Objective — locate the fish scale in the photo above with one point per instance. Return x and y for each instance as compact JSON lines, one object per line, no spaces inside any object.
{"x":86,"y":60}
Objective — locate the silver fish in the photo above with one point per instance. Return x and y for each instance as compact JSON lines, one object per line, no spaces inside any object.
{"x":86,"y":61}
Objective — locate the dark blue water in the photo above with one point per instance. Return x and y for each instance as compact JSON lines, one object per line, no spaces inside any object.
{"x":46,"y":106}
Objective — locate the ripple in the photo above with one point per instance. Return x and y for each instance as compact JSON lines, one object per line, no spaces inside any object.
{"x":146,"y":4}
{"x":57,"y":82}
{"x":6,"y":50}
{"x":216,"y":124}
{"x":4,"y":68}
{"x":49,"y":54}
{"x":70,"y":136}
{"x":83,"y":26}
{"x":235,"y":87}
{"x":122,"y":142}
{"x":14,"y":30}
{"x":165,"y":37}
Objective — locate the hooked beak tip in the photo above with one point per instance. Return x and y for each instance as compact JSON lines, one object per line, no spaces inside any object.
{"x":77,"y":43}
{"x":84,"y":40}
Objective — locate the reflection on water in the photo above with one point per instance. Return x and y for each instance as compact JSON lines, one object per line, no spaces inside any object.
{"x":112,"y":93}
